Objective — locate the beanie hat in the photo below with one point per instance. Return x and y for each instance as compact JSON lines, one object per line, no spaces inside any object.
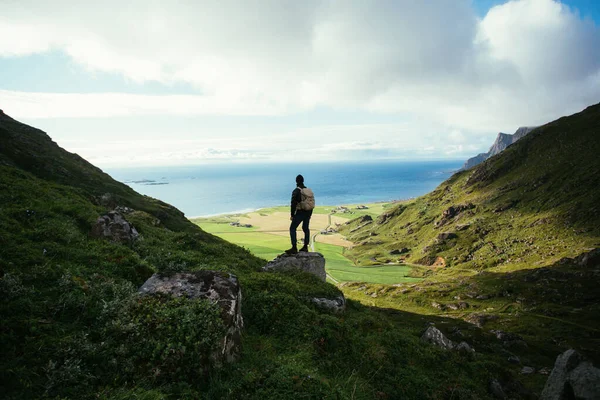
{"x":299,"y":179}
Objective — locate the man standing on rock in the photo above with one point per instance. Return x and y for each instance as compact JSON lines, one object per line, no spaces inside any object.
{"x":303,"y":203}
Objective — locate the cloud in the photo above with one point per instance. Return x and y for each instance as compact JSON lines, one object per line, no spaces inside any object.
{"x":525,"y":62}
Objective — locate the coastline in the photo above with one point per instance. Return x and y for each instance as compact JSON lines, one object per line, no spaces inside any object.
{"x":250,"y":210}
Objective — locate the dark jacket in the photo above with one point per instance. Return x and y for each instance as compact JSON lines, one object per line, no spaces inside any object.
{"x":296,"y":198}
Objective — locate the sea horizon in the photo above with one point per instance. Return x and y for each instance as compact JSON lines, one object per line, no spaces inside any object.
{"x":217,"y":189}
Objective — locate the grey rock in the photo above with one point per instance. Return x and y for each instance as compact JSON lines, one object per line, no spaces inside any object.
{"x":514,"y":360}
{"x":434,"y":336}
{"x":527,"y":370}
{"x":480,"y":319}
{"x":589,"y":259}
{"x":504,"y":336}
{"x":446,"y":236}
{"x":464,"y":347}
{"x":336,"y":305}
{"x":313,"y":263}
{"x":113,"y":226}
{"x":572,"y":377}
{"x":496,"y":390}
{"x":503,"y":140}
{"x":220,"y":288}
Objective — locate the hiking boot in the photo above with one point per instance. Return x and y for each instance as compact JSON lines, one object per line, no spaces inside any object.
{"x":293,"y":250}
{"x":304,"y":248}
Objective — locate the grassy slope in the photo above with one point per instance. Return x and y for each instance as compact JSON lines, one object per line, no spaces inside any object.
{"x":533,"y":205}
{"x":72,"y":326}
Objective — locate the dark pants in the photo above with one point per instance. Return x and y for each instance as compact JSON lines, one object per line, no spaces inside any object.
{"x":302,"y":216}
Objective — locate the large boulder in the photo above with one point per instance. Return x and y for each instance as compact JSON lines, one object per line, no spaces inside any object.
{"x":313,"y":263}
{"x":434,"y":336}
{"x":572,"y":378}
{"x":218,"y":287}
{"x":113,"y":226}
{"x":336,"y":305}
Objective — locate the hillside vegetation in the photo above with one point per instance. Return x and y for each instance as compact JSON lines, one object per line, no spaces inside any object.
{"x":510,"y":244}
{"x":74,"y":327}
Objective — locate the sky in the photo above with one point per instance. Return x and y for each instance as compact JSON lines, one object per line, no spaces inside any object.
{"x":151,"y":82}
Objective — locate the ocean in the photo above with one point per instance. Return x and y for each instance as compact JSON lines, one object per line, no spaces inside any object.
{"x":212,"y":189}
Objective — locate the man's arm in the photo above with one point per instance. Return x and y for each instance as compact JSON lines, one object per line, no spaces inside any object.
{"x":296,"y":198}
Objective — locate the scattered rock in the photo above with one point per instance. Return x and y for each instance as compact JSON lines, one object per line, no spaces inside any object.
{"x":365,"y":218}
{"x":463,"y":227}
{"x":436,"y":337}
{"x":463,"y":305}
{"x":479,"y":319}
{"x":544,"y":371}
{"x":506,"y":336}
{"x":446,"y":236}
{"x":464,"y":347}
{"x":124,"y":210}
{"x":496,"y":389}
{"x":399,"y":251}
{"x":218,"y":287}
{"x":437,"y":305}
{"x":589,"y":259}
{"x":336,"y":305}
{"x":452,"y":212}
{"x":108,"y":200}
{"x":527,"y":370}
{"x":572,"y":378}
{"x":113,"y":226}
{"x":313,"y":263}
{"x":514,"y":360}
{"x":385,"y":217}
{"x":483,"y":297}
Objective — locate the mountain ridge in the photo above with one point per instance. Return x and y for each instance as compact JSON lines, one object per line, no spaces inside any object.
{"x":503,"y":140}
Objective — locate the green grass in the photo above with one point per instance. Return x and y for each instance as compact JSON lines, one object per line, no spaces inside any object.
{"x":343,"y":270}
{"x":224,"y":227}
{"x":269,"y":246}
{"x":263,"y":245}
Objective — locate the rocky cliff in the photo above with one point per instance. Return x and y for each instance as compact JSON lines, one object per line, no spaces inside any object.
{"x":503,"y":140}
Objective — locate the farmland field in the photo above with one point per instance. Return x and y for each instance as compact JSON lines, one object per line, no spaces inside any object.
{"x":268,"y":236}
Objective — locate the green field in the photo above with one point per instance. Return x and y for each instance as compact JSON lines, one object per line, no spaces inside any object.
{"x":343,"y":270}
{"x":340,"y":268}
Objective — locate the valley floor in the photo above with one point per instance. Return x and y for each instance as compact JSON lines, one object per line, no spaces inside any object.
{"x":265,"y":233}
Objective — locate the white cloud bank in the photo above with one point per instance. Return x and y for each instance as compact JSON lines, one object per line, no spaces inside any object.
{"x":526,"y":62}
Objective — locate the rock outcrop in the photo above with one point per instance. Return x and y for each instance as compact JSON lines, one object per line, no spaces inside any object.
{"x":313,"y":263}
{"x":572,"y":378}
{"x":218,"y":287}
{"x":113,"y":226}
{"x":336,"y":305}
{"x":503,"y":140}
{"x":434,"y":336}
